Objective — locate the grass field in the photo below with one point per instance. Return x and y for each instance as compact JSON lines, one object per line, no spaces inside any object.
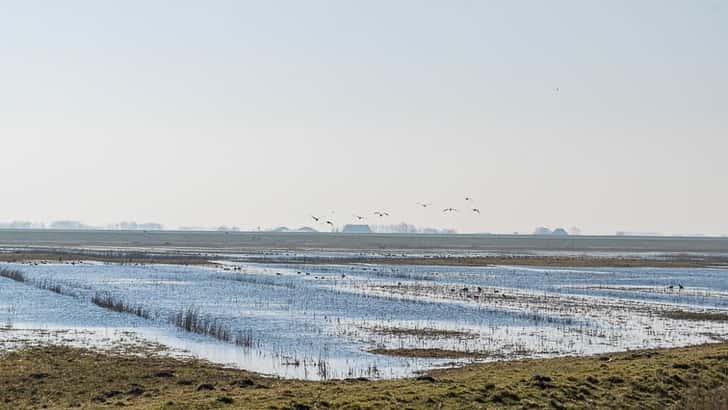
{"x":520,"y":260}
{"x":239,"y":241}
{"x":58,"y":377}
{"x":109,"y":257}
{"x":524,"y":260}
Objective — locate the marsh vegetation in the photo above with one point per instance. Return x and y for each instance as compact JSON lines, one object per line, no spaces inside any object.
{"x":379,"y":320}
{"x":107,"y":301}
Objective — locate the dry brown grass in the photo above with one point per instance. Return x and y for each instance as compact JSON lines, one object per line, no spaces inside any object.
{"x":110,"y":257}
{"x":516,"y":260}
{"x":696,"y":316}
{"x":420,"y":332}
{"x":429,"y":353}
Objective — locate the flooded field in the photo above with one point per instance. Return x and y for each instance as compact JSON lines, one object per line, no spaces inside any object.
{"x":358,"y":320}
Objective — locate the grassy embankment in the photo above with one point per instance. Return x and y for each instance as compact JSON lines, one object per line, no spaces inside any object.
{"x":515,"y":260}
{"x":109,"y":257}
{"x":145,"y":257}
{"x":56,"y":377}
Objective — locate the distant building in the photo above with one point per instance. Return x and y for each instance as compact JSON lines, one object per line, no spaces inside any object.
{"x":68,"y":225}
{"x":541,"y":230}
{"x":224,"y":228}
{"x":353,"y":228}
{"x":19,"y":225}
{"x":133,"y":226}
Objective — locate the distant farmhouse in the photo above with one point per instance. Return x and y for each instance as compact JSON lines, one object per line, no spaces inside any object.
{"x":69,"y":225}
{"x":546,"y":231}
{"x":287,"y":229}
{"x":353,"y":228}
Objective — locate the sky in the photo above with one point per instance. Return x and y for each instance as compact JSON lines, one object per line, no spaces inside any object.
{"x":604,"y":115}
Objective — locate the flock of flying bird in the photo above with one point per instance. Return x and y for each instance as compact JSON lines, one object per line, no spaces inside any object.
{"x":381,"y":214}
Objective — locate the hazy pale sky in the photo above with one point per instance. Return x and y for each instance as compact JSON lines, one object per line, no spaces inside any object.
{"x":262,"y":113}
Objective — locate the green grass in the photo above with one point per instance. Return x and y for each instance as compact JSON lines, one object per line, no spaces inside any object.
{"x":57,"y":377}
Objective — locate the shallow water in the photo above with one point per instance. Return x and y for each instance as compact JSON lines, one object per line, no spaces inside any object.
{"x":318,"y":321}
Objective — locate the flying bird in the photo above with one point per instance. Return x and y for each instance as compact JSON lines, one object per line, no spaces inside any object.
{"x":469,"y":198}
{"x":315,"y":218}
{"x":424,"y":204}
{"x":330,"y":223}
{"x":449,"y":210}
{"x":359,"y":217}
{"x":476,"y":211}
{"x":381,"y":213}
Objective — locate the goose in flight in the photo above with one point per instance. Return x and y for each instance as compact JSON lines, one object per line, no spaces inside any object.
{"x":424,"y":204}
{"x":469,"y":198}
{"x":449,"y":210}
{"x":476,"y":211}
{"x":381,"y":213}
{"x":316,"y":218}
{"x":359,"y":217}
{"x":330,"y":223}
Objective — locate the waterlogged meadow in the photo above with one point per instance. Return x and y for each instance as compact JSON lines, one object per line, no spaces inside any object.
{"x":359,"y":320}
